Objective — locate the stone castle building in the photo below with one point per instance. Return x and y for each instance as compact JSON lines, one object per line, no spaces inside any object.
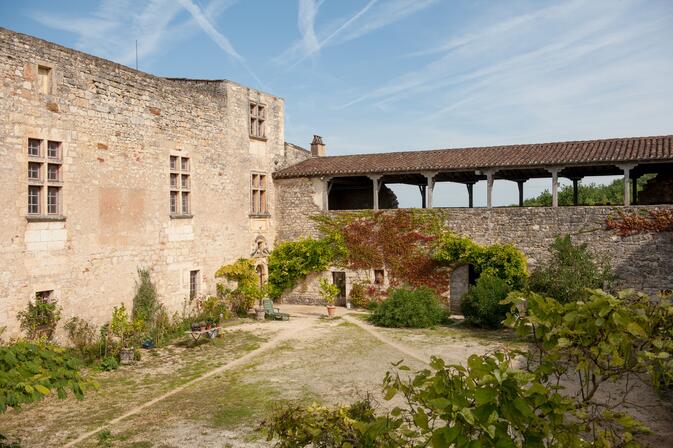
{"x":106,"y":169}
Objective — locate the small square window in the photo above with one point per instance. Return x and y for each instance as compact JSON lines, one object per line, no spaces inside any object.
{"x":174,"y":181}
{"x":193,"y":284}
{"x":184,"y":164}
{"x":34,"y":170}
{"x":53,"y":173}
{"x":185,"y":182}
{"x":257,"y":120}
{"x":174,"y":202}
{"x":34,"y":200}
{"x":53,"y":200}
{"x":185,"y":203}
{"x":44,"y":296}
{"x":174,"y":163}
{"x":54,"y":150}
{"x":379,"y":276}
{"x":34,"y":147}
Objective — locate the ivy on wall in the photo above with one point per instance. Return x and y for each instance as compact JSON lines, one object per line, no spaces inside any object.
{"x":413,"y":246}
{"x":294,"y":260}
{"x":499,"y":260}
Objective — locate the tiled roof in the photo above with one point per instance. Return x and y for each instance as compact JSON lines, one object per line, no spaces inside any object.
{"x":588,"y":152}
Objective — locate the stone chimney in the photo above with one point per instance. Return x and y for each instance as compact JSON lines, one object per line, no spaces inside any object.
{"x":317,"y":147}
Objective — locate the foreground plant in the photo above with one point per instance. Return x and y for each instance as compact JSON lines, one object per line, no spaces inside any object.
{"x":491,"y":402}
{"x":29,"y":372}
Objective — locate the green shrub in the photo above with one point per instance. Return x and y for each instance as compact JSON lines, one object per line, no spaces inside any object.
{"x":248,"y":290}
{"x":108,"y":364}
{"x":571,"y":270}
{"x":358,"y":295}
{"x":481,"y":304}
{"x":82,"y":336}
{"x":40,"y":318}
{"x":409,"y":308}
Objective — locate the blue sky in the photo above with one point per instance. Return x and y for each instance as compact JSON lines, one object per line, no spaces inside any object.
{"x":383,"y":75}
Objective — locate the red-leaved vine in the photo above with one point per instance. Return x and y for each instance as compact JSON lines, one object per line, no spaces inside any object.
{"x":399,"y":242}
{"x":627,"y":224}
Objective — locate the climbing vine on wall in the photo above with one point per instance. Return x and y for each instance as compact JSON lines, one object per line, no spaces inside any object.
{"x":294,"y":260}
{"x":400,"y":242}
{"x":499,"y":260}
{"x":627,"y":224}
{"x":413,"y":246}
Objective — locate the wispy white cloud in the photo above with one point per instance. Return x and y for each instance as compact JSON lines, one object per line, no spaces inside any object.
{"x":557,"y":43}
{"x":217,"y":37}
{"x":308,"y":10}
{"x":371,"y":17}
{"x":111,"y":30}
{"x":209,"y":29}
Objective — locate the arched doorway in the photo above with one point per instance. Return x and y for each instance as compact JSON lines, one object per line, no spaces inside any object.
{"x":460,"y":280}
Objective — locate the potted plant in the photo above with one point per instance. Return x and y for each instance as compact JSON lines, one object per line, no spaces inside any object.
{"x":126,"y":331}
{"x":329,"y":292}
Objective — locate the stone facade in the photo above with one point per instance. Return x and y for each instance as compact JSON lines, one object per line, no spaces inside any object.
{"x":117,"y":128}
{"x":643,"y":262}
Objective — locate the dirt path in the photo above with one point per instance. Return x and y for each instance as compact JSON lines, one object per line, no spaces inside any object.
{"x":406,"y":350}
{"x":284,"y":334}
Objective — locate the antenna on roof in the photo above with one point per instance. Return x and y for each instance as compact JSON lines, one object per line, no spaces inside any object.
{"x":136,"y":54}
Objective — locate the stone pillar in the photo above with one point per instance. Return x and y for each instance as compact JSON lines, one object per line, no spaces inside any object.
{"x":489,"y":188}
{"x":470,"y":194}
{"x":554,"y":185}
{"x":627,"y":178}
{"x":376,"y":183}
{"x":327,"y":187}
{"x":429,"y":188}
{"x":519,"y":184}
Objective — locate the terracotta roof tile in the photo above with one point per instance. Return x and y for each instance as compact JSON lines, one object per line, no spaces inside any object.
{"x":589,"y":152}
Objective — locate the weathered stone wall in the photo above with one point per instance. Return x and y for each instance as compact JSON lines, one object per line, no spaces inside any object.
{"x":307,"y":291}
{"x":643,"y":262}
{"x":118,"y":127}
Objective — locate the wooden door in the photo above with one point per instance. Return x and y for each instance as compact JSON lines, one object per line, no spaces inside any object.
{"x":339,"y":279}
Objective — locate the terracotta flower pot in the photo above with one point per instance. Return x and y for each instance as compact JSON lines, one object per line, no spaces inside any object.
{"x":331,"y":310}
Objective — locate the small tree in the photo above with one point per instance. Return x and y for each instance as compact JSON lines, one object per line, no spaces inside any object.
{"x":571,"y":270}
{"x":145,"y":303}
{"x":328,"y":291}
{"x":248,"y":290}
